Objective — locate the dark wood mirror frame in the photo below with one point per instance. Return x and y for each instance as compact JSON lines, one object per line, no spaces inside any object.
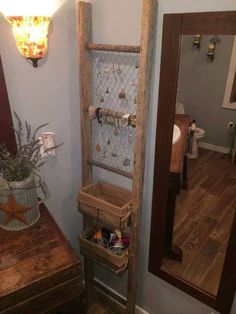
{"x":176,"y":25}
{"x":7,"y":134}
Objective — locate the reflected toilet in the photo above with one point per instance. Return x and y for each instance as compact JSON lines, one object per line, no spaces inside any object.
{"x":199,"y":133}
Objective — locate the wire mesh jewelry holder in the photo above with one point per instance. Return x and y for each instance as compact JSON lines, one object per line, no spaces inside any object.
{"x":114,"y":101}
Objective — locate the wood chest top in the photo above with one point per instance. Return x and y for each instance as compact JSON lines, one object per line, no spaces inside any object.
{"x":34,"y":260}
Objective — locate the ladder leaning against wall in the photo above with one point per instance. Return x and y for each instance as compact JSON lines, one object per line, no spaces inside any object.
{"x":114,"y":102}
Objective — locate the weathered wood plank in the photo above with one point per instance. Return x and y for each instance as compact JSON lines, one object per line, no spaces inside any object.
{"x":42,"y":303}
{"x":85,"y":68}
{"x":110,"y":168}
{"x":143,"y":99}
{"x":35,"y":260}
{"x":115,"y":48}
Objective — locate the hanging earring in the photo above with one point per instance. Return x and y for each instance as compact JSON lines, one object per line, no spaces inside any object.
{"x":122,"y":94}
{"x":114,"y":155}
{"x":126,"y":162}
{"x":98,"y":148}
{"x":118,"y":70}
{"x":113,"y":70}
{"x":130,"y":138}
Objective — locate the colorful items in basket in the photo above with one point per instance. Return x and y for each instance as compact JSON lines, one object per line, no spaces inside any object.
{"x":113,"y":241}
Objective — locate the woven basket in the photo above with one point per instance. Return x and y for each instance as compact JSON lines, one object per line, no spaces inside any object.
{"x":106,"y":203}
{"x":106,"y":218}
{"x":101,"y":255}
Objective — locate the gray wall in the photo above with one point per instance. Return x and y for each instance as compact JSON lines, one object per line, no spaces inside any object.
{"x":202,"y":87}
{"x":50,"y":93}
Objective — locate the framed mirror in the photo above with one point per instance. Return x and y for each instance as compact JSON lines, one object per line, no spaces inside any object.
{"x":230,"y":88}
{"x":7,"y":134}
{"x":193,"y":226}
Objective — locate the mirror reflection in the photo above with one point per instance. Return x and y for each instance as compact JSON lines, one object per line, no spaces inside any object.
{"x":202,"y":187}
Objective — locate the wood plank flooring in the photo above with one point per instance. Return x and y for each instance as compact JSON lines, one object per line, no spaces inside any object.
{"x":101,"y":304}
{"x":203,"y":220}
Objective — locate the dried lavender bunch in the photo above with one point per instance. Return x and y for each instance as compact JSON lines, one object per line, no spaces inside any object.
{"x":27,"y":159}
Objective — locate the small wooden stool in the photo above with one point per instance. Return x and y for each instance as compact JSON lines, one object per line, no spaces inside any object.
{"x":38,"y":269}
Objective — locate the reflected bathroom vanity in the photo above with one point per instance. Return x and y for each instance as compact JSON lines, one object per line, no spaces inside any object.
{"x":177,"y":180}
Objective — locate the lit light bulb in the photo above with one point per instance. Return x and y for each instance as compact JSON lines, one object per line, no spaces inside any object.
{"x":31,"y":35}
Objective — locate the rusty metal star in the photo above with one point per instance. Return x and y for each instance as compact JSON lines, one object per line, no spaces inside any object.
{"x":14,"y":211}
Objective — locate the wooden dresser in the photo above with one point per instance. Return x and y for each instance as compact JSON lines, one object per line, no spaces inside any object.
{"x":38,"y":269}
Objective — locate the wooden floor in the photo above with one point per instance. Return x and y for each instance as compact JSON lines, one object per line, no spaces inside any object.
{"x":203,"y":220}
{"x":100,"y":304}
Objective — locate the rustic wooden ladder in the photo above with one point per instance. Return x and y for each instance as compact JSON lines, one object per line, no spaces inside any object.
{"x":86,"y":46}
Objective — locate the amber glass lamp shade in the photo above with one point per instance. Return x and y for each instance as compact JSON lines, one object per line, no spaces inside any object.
{"x":31,"y":35}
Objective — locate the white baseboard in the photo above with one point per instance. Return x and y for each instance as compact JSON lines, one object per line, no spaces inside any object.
{"x":215,"y":148}
{"x":138,"y":309}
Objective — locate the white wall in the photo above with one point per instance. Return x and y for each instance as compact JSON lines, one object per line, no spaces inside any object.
{"x":50,"y":93}
{"x":204,"y":103}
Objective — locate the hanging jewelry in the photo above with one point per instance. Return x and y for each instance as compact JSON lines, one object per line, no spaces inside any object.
{"x":130,"y":138}
{"x":114,"y":155}
{"x":122,"y":94}
{"x":119,"y":70}
{"x":126,"y":162}
{"x":98,"y":115}
{"x":98,"y":148}
{"x":117,"y":126}
{"x":113,"y":70}
{"x":97,"y":91}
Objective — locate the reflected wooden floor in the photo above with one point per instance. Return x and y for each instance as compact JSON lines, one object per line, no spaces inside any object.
{"x":203,"y":219}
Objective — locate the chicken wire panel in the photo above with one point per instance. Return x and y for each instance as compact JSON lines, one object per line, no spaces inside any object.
{"x":115,"y":80}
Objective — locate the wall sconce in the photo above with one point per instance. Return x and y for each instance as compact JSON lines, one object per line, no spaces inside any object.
{"x":211,"y":48}
{"x":31,"y":35}
{"x":197,"y":41}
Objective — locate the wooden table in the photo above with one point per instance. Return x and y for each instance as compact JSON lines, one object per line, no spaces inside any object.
{"x":38,"y":269}
{"x":177,"y":180}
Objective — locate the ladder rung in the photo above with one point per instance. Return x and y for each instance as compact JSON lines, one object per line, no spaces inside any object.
{"x":110,"y":168}
{"x":115,"y":48}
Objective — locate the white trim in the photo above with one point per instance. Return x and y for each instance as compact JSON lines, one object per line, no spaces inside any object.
{"x":230,"y":80}
{"x":138,"y":309}
{"x":215,"y":148}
